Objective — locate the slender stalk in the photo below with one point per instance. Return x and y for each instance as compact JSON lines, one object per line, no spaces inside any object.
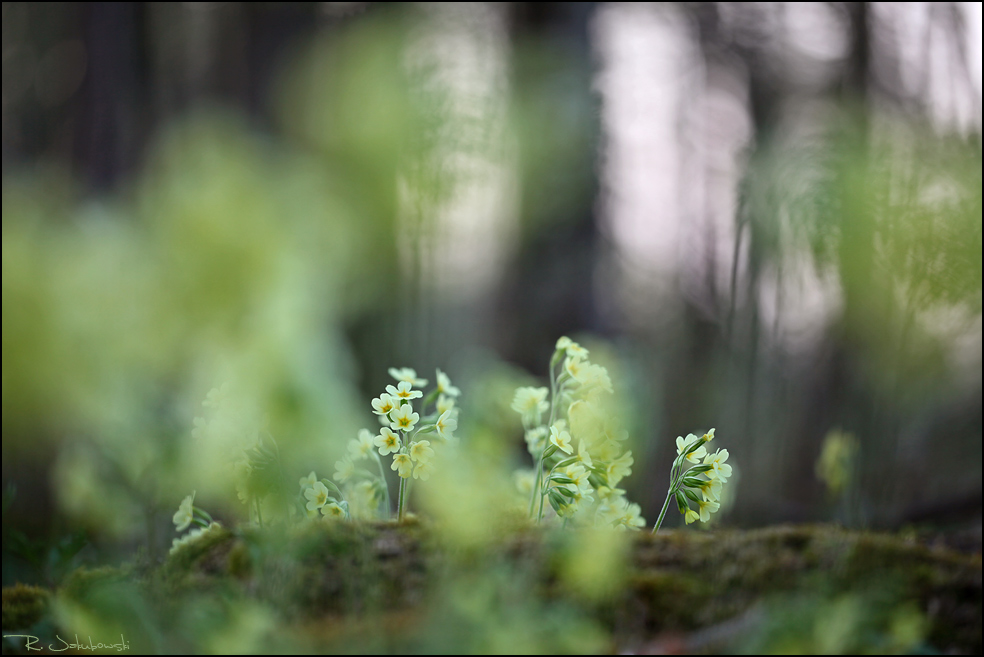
{"x":539,"y":480}
{"x":382,"y":475}
{"x":666,"y":504}
{"x":553,"y":417}
{"x":403,"y":499}
{"x":553,"y":394}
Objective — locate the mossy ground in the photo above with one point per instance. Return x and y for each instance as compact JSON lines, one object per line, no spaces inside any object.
{"x":388,"y":588}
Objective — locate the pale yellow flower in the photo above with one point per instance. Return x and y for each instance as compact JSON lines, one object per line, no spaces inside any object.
{"x":720,"y":469}
{"x":596,"y":377}
{"x":423,"y":470}
{"x":344,"y":470}
{"x":710,"y":490}
{"x":185,"y":514}
{"x":706,"y":509}
{"x":387,"y":441}
{"x":444,"y":385}
{"x":575,"y":366}
{"x":609,"y":494}
{"x":361,"y":447}
{"x":561,"y":440}
{"x":317,"y":496}
{"x":530,"y":402}
{"x":446,"y":425}
{"x":691,"y":516}
{"x":404,"y":419}
{"x":583,"y":456}
{"x":383,"y":404}
{"x":403,"y":391}
{"x":576,"y":351}
{"x":694,"y":456}
{"x":216,"y":396}
{"x":534,"y":439}
{"x":403,"y":464}
{"x":630,"y":517}
{"x":333,"y":511}
{"x":620,"y":468}
{"x":420,"y":451}
{"x":407,"y":374}
{"x":579,"y":475}
{"x":587,"y":423}
{"x":444,"y":404}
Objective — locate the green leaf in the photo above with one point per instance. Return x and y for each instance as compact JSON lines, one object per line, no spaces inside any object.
{"x":332,"y":487}
{"x":682,"y":502}
{"x":566,"y":492}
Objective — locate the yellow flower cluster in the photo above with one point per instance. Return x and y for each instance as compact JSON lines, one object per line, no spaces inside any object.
{"x":576,"y":444}
{"x":697,"y":477}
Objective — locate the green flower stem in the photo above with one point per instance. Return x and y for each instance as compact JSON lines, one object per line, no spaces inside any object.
{"x":539,"y":480}
{"x":403,"y":499}
{"x":553,"y":395}
{"x":662,"y":513}
{"x":677,"y":473}
{"x":544,"y":489}
{"x":430,"y":399}
{"x":553,"y":416}
{"x":382,"y":476}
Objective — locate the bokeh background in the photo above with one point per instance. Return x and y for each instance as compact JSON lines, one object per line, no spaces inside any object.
{"x":764,"y":218}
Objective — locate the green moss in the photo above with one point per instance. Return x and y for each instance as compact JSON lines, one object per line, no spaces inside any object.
{"x":684,"y":580}
{"x":680,"y":583}
{"x":23,"y":606}
{"x":204,"y":551}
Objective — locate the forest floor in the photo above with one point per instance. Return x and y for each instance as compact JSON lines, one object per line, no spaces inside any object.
{"x":401,"y":588}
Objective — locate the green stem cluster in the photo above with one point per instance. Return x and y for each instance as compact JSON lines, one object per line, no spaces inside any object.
{"x":541,"y":484}
{"x":677,"y":474}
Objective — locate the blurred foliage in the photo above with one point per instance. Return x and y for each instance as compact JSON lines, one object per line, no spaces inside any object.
{"x":857,"y":623}
{"x":381,"y":588}
{"x":894,"y":210}
{"x":23,"y":606}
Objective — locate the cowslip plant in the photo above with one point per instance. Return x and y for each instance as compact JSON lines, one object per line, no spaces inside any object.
{"x":576,"y":445}
{"x":188,"y":514}
{"x":412,"y":426}
{"x":697,"y":476}
{"x":360,"y":490}
{"x":402,"y":431}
